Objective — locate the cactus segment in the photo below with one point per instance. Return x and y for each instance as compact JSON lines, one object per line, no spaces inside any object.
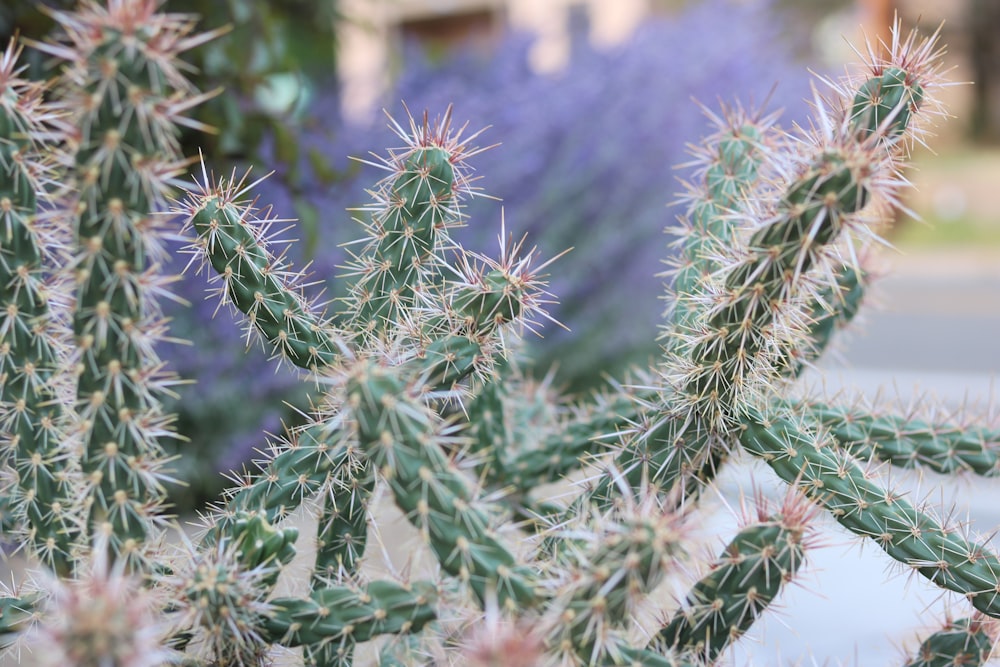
{"x":740,"y":585}
{"x":341,"y":539}
{"x":335,"y":614}
{"x":343,"y":529}
{"x":32,"y":414}
{"x":223,"y":595}
{"x":729,"y":168}
{"x":126,"y":93}
{"x":449,"y":360}
{"x":16,"y":613}
{"x":884,"y":104}
{"x":631,"y":557}
{"x":834,"y":308}
{"x":254,"y":282}
{"x":967,"y":641}
{"x":811,"y":215}
{"x":418,"y":203}
{"x":835,"y":480}
{"x":294,"y":474}
{"x":398,"y":435}
{"x":494,"y":302}
{"x":908,"y":442}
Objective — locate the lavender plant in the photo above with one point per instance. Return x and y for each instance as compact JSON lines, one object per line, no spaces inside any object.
{"x":420,"y":395}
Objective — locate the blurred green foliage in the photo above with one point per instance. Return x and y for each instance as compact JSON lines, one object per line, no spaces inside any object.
{"x":276,"y":53}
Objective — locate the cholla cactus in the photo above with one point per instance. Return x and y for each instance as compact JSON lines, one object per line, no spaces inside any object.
{"x":423,"y":396}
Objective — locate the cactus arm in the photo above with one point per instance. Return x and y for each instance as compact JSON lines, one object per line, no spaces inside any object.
{"x":626,"y":409}
{"x":835,"y":480}
{"x":32,"y":413}
{"x":231,"y":239}
{"x":295,"y":472}
{"x":967,"y":641}
{"x":16,"y":615}
{"x":490,"y":433}
{"x":341,"y":542}
{"x":416,"y":204}
{"x":728,"y":164}
{"x":907,"y":442}
{"x":630,"y":558}
{"x":728,"y":362}
{"x":398,"y":436}
{"x":127,"y":94}
{"x":223,"y":593}
{"x":739,"y":330}
{"x":746,"y":578}
{"x":834,"y":308}
{"x":334,"y":614}
{"x":413,"y":209}
{"x":341,"y":539}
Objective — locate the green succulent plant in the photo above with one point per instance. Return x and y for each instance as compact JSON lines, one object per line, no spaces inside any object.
{"x":421,"y":398}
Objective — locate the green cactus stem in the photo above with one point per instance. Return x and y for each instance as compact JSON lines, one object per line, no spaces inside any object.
{"x":126,"y":93}
{"x":908,"y":442}
{"x":836,"y":481}
{"x":830,"y":311}
{"x":32,"y":413}
{"x":224,"y":593}
{"x":16,"y":614}
{"x":334,"y":614}
{"x":967,"y":641}
{"x":748,"y":575}
{"x":399,"y":437}
{"x":729,"y":163}
{"x":630,"y":558}
{"x":739,"y":330}
{"x":418,"y":203}
{"x":341,"y":539}
{"x":885,"y":104}
{"x":231,"y":236}
{"x":295,"y":473}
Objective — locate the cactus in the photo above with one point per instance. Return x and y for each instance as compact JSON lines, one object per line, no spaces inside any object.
{"x":420,"y":393}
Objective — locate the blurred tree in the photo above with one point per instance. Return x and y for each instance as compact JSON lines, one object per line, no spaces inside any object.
{"x":270,"y":63}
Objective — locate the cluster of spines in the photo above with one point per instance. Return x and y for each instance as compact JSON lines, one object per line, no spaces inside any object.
{"x":32,"y":355}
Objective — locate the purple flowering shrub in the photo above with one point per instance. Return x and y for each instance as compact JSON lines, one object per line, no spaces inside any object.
{"x":587,"y":161}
